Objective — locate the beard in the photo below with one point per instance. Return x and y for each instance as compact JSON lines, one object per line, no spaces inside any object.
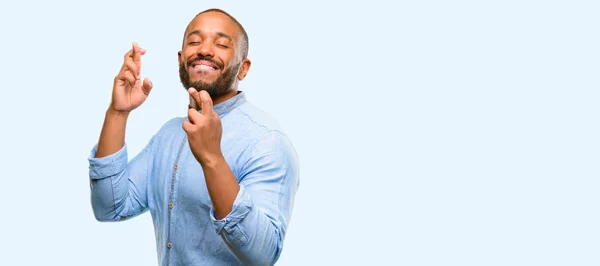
{"x":215,"y":89}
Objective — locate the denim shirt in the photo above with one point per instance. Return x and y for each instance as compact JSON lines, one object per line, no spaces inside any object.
{"x":167,"y":180}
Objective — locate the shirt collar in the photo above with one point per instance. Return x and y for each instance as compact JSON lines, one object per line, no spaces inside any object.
{"x":230,"y":104}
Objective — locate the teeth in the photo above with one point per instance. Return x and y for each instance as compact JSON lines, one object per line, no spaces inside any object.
{"x":203,"y":67}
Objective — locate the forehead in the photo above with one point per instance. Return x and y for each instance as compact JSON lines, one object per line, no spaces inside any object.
{"x":212,"y":23}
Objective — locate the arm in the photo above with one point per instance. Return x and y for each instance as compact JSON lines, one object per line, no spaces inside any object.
{"x":112,"y":136}
{"x":254,"y":228}
{"x":118,"y":187}
{"x":251,"y":216}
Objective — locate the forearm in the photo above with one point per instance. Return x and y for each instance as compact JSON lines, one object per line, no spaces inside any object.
{"x":112,"y":136}
{"x":221,"y":184}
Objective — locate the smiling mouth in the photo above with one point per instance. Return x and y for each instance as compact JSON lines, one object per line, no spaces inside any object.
{"x":204,"y":68}
{"x":203,"y":65}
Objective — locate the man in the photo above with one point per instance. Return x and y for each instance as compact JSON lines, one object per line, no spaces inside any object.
{"x":219,"y":183}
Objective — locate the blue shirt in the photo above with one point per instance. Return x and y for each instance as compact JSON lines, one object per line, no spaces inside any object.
{"x":167,"y":180}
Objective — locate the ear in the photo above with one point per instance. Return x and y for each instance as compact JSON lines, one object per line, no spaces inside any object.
{"x":178,"y":58}
{"x":244,"y":68}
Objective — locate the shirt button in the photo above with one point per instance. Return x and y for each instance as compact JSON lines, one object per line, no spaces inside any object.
{"x":176,"y":166}
{"x":171,"y":205}
{"x":169,"y":245}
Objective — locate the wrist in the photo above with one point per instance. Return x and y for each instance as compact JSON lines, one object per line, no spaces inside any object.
{"x":212,"y":161}
{"x":117,"y":114}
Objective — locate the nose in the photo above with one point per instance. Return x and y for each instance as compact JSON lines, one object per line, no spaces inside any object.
{"x":206,"y":49}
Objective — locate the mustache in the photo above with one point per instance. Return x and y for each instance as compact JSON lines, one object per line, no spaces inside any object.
{"x":205,"y":58}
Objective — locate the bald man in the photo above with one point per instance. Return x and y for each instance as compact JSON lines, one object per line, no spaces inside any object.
{"x":219,"y":183}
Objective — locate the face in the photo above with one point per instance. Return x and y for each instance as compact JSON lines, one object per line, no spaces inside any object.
{"x":210,"y":59}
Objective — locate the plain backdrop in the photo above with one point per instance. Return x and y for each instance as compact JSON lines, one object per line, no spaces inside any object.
{"x":429,"y":132}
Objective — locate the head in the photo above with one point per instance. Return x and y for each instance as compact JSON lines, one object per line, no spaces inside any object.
{"x":214,"y":54}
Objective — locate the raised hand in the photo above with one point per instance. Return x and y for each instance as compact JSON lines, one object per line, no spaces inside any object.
{"x":129,"y":92}
{"x":204,"y":129}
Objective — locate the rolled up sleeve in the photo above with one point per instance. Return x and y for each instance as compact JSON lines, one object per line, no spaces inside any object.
{"x":107,"y":166}
{"x":241,"y":207}
{"x":118,"y":187}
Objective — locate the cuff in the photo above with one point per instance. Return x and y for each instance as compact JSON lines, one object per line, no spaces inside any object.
{"x":241,"y":207}
{"x":109,"y":165}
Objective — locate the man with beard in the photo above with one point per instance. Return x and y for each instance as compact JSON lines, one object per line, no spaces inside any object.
{"x":219,"y":183}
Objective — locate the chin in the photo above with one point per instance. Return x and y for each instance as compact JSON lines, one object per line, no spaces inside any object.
{"x":206,"y":80}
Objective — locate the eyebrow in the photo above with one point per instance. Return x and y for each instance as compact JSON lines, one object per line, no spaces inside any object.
{"x":220,"y":34}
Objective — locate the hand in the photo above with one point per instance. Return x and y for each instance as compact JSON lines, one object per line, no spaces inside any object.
{"x":129,"y":92}
{"x":203,"y":129}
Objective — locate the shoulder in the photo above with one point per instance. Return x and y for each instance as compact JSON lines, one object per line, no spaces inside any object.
{"x":267,"y":138}
{"x":255,"y":119}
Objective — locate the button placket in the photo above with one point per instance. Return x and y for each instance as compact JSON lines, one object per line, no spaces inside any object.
{"x":172,"y":199}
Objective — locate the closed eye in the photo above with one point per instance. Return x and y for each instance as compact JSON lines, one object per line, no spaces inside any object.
{"x":222,"y":46}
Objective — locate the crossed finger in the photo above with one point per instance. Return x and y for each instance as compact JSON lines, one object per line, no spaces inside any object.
{"x":132,"y":64}
{"x":203,"y":99}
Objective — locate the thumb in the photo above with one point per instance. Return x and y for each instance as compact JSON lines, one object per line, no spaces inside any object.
{"x":147,"y":86}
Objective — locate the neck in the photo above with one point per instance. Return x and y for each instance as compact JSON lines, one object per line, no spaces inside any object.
{"x":216,"y":100}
